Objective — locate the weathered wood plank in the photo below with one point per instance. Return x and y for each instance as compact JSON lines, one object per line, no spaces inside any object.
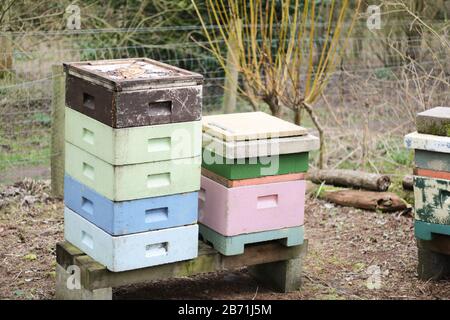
{"x":283,"y":276}
{"x":260,"y":147}
{"x":62,"y":291}
{"x":57,"y":141}
{"x":427,"y":142}
{"x":440,"y":243}
{"x":95,"y":276}
{"x":441,"y":175}
{"x":434,"y":257}
{"x":133,"y":92}
{"x":66,"y":254}
{"x":432,"y":265}
{"x":249,"y":126}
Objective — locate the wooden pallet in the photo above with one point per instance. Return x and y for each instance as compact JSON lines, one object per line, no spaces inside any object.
{"x":275,"y":265}
{"x":434,"y":258}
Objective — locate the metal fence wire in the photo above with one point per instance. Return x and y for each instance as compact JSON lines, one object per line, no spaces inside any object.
{"x":26,"y":80}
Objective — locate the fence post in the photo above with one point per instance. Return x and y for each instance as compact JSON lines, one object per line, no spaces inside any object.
{"x":57,"y":150}
{"x":231,"y":74}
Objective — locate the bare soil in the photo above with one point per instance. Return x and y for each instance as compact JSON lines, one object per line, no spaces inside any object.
{"x":346,"y":249}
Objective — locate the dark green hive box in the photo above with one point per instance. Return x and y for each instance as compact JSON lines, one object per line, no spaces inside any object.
{"x":235,"y":169}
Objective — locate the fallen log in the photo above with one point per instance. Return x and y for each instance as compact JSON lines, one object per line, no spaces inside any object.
{"x":367,"y":200}
{"x":351,"y":179}
{"x":408,"y":183}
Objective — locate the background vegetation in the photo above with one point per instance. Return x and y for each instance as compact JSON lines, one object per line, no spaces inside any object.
{"x":383,"y":79}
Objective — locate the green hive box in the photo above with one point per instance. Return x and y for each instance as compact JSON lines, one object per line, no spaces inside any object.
{"x":135,"y":181}
{"x":246,"y":168}
{"x":432,"y":200}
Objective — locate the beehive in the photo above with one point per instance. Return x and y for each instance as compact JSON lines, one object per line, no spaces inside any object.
{"x":133,"y":155}
{"x":252,"y":187}
{"x":431,"y":173}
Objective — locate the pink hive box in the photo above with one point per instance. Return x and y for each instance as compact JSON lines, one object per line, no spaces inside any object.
{"x":248,"y":209}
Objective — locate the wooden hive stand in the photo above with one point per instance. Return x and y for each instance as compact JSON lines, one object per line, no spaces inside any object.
{"x":271,"y":263}
{"x":434,"y":258}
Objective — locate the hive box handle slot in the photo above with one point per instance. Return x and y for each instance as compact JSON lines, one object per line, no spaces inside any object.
{"x":160,"y":108}
{"x":157,"y":249}
{"x":156,"y":215}
{"x":87,"y":239}
{"x":88,"y":136}
{"x":88,"y":171}
{"x":87,"y":205}
{"x":158,"y":144}
{"x":88,"y":101}
{"x":158,"y":180}
{"x":264,"y":202}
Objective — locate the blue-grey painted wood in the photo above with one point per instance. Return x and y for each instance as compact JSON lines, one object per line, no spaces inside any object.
{"x":125,"y":217}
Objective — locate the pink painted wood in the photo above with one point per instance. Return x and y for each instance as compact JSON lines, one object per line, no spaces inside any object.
{"x":247,"y":209}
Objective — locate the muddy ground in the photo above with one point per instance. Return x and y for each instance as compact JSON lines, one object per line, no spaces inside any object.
{"x":347,"y":250}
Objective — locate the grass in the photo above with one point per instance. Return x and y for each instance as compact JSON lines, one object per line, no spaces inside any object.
{"x":28,"y":149}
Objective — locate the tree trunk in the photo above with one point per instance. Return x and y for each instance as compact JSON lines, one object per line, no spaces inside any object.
{"x":298,"y":116}
{"x":352,"y":179}
{"x":319,"y":128}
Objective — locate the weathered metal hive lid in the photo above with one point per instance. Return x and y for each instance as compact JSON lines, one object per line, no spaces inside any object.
{"x":132,"y":74}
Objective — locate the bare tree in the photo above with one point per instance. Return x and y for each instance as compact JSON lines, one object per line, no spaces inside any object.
{"x":278,"y":57}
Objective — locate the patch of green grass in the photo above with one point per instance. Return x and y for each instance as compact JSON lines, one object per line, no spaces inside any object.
{"x":28,"y":148}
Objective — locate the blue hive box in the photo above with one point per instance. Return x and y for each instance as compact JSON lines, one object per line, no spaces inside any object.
{"x":126,"y":217}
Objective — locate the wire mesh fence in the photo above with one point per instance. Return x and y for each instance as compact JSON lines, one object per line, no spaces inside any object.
{"x":371,"y":85}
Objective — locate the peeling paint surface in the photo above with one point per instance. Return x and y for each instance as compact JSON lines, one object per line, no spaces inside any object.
{"x":432,"y":200}
{"x":427,"y":142}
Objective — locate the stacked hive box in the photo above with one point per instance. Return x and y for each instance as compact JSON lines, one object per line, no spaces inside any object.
{"x":432,"y":172}
{"x":133,"y":150}
{"x":252,"y":186}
